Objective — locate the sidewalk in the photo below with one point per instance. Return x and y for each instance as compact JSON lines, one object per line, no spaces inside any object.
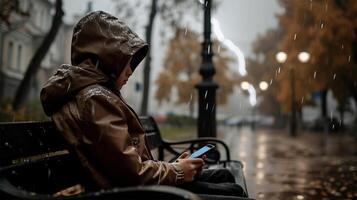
{"x":311,"y":166}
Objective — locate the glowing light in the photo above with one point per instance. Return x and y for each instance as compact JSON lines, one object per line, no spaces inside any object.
{"x":244,"y":85}
{"x":304,"y":57}
{"x":263,"y":85}
{"x":228,"y":43}
{"x":281,"y":57}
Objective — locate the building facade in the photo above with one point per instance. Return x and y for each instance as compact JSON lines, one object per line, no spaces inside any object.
{"x":20,"y":41}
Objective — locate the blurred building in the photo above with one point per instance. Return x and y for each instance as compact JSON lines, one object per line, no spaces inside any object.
{"x":20,"y":41}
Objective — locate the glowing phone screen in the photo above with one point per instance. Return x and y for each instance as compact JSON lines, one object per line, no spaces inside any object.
{"x":201,"y":151}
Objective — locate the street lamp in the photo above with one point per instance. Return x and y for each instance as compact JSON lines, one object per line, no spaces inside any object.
{"x":206,"y":123}
{"x":244,"y":85}
{"x":281,"y":57}
{"x":263,"y":85}
{"x":303,"y":57}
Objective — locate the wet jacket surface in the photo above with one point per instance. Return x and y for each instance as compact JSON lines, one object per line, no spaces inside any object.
{"x":90,"y":113}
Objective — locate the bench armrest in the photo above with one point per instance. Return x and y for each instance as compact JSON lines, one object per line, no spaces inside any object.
{"x":192,"y":142}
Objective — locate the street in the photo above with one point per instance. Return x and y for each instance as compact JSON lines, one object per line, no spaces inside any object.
{"x":310,"y":166}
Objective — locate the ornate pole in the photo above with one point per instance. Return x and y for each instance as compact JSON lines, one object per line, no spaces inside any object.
{"x":206,"y":122}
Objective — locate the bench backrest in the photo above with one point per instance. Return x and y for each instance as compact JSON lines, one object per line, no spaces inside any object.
{"x":36,"y":158}
{"x":26,"y":140}
{"x":152,"y":132}
{"x":41,"y":158}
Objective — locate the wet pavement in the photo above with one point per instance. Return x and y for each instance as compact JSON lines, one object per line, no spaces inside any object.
{"x":310,"y":166}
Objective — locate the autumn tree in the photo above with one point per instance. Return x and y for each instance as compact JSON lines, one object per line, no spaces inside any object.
{"x":319,"y":28}
{"x":328,"y":33}
{"x":181,"y":67}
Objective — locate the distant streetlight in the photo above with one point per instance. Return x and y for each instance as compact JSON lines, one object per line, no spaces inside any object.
{"x":281,"y":57}
{"x":263,"y":85}
{"x":244,"y":85}
{"x":303,"y":57}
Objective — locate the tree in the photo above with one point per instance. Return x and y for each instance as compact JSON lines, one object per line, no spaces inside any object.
{"x":35,"y":63}
{"x":181,"y":70}
{"x":8,"y":7}
{"x":328,"y":33}
{"x":171,"y":12}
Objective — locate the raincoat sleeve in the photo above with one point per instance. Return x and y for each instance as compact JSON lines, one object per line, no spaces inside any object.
{"x":112,"y":150}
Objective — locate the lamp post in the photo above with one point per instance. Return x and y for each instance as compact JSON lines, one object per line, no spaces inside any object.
{"x":303,"y":57}
{"x":206,"y":123}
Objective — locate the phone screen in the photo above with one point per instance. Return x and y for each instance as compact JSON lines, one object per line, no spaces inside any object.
{"x":202,"y":151}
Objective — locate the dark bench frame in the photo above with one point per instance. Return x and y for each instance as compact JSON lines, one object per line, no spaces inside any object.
{"x":30,"y":152}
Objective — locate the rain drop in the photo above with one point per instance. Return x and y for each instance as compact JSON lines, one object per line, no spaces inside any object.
{"x":271,"y":81}
{"x":209,"y":49}
{"x":349,"y":58}
{"x":189,"y":101}
{"x":219,"y":49}
{"x":206,"y":93}
{"x":69,"y":85}
{"x":186,"y":31}
{"x":334,"y":76}
{"x":342,"y":47}
{"x":331,"y":115}
{"x":295,"y":35}
{"x":207,"y":106}
{"x":206,"y":3}
{"x":322,"y":25}
{"x":212,"y":108}
{"x":302,"y":100}
{"x":279,"y":70}
{"x":315,"y":74}
{"x":48,"y":172}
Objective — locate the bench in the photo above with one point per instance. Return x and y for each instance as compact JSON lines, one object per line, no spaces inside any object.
{"x":36,"y":162}
{"x":176,"y":148}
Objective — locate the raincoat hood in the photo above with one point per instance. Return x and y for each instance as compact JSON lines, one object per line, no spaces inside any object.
{"x":101,"y":47}
{"x":101,"y":36}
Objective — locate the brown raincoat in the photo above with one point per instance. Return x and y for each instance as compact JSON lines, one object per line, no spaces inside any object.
{"x":90,"y":113}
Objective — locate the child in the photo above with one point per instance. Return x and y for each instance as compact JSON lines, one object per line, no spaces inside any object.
{"x":84,"y":101}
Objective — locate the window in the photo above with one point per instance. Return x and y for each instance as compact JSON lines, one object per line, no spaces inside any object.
{"x":19,"y":57}
{"x":9,"y":54}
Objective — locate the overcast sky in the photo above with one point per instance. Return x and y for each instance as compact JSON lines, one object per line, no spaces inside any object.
{"x":241,"y":20}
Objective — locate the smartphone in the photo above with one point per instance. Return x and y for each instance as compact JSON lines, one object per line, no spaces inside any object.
{"x":199,"y":153}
